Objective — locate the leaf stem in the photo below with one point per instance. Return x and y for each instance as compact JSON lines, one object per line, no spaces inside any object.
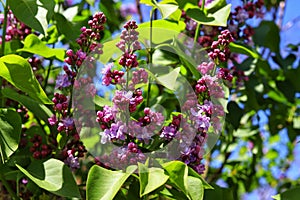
{"x":3,"y":47}
{"x":202,"y":5}
{"x":150,"y":57}
{"x":4,"y":29}
{"x":8,"y":188}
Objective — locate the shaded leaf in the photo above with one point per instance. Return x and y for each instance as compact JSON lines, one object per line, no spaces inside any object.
{"x":10,"y":131}
{"x":65,"y":27}
{"x":291,"y":194}
{"x":218,"y":193}
{"x":38,"y":109}
{"x":33,"y":13}
{"x":267,"y":35}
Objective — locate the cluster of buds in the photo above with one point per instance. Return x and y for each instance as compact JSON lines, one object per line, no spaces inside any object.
{"x":90,"y":36}
{"x":219,"y":49}
{"x":15,"y":29}
{"x":128,"y":44}
{"x":237,"y":23}
{"x":39,"y":149}
{"x":232,"y":75}
{"x":111,"y":76}
{"x":60,"y":103}
{"x":72,"y":152}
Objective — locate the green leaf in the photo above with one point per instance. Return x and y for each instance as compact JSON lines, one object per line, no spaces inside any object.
{"x":182,"y":3}
{"x":291,"y":194}
{"x":10,"y":131}
{"x":150,"y":179}
{"x":163,"y":30}
{"x":215,"y":5}
{"x":38,"y":109}
{"x":235,"y":114}
{"x":267,"y":35}
{"x":246,"y":132}
{"x":169,"y":80}
{"x":195,"y":188}
{"x":178,"y":173}
{"x":110,"y":51}
{"x":191,"y":186}
{"x":219,"y":18}
{"x":100,"y":101}
{"x":18,"y":72}
{"x":276,"y":197}
{"x":52,"y":175}
{"x":195,"y":174}
{"x":148,"y":2}
{"x":218,"y":193}
{"x":33,"y":44}
{"x":34,"y":13}
{"x":166,"y":9}
{"x":104,"y":184}
{"x":65,"y":27}
{"x":239,"y":48}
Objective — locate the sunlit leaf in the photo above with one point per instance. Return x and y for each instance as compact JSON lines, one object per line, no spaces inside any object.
{"x":150,"y":179}
{"x":33,"y":44}
{"x":52,"y":175}
{"x":104,"y":184}
{"x":18,"y":72}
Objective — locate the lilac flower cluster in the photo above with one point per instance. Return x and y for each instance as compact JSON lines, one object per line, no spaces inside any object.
{"x":134,"y":136}
{"x":238,"y":20}
{"x":38,"y":149}
{"x":15,"y":29}
{"x":111,"y":76}
{"x":231,"y":76}
{"x":193,"y":154}
{"x":72,"y":161}
{"x":128,"y":44}
{"x":206,"y":68}
{"x":219,"y":49}
{"x":124,"y":100}
{"x":90,"y":37}
{"x":139,"y":76}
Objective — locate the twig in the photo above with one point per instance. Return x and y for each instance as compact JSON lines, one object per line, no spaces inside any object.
{"x":138,"y":6}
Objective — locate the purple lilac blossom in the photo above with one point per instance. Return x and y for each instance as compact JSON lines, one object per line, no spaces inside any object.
{"x":62,"y":81}
{"x":72,"y":161}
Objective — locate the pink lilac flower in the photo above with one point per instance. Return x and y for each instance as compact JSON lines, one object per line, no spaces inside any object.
{"x":15,"y":29}
{"x":219,"y":49}
{"x":52,"y":120}
{"x":206,"y":68}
